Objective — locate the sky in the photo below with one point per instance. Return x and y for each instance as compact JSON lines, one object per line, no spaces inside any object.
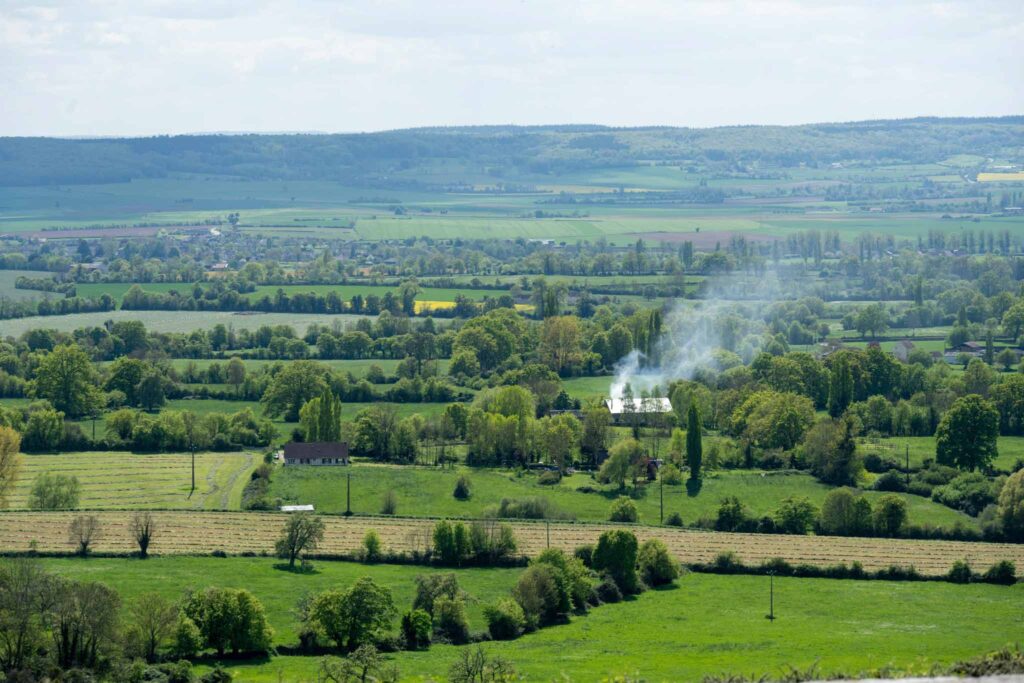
{"x":144,"y":67}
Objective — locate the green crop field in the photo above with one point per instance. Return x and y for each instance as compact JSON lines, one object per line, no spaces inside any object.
{"x":708,"y":624}
{"x":116,"y":479}
{"x":428,"y":492}
{"x":172,"y":321}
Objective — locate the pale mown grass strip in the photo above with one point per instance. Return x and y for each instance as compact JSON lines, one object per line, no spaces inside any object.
{"x":251,"y":532}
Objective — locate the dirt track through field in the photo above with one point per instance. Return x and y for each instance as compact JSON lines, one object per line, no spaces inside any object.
{"x":255,"y":532}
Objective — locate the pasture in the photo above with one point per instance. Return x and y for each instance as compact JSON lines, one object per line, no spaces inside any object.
{"x":707,"y":624}
{"x":116,"y":479}
{"x":423,"y":491}
{"x":9,"y":291}
{"x":173,"y":321}
{"x":203,"y":532}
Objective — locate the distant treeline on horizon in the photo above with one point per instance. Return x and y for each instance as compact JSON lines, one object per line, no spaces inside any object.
{"x":372,"y":159}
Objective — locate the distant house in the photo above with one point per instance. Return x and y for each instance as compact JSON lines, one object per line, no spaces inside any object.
{"x":622,"y":409}
{"x":297,"y":508}
{"x":902,"y":350}
{"x":972,"y":347}
{"x":321,"y":453}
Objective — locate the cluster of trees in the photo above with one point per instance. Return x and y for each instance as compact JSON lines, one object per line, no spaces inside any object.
{"x":54,"y":623}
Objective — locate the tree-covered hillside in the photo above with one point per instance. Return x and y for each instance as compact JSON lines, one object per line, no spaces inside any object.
{"x":504,"y":152}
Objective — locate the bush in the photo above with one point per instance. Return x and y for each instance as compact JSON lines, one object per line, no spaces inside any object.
{"x":450,"y":620}
{"x":960,"y":572}
{"x":920,"y":488}
{"x":616,"y":554}
{"x":549,"y":478}
{"x":542,"y":594}
{"x":727,"y":563}
{"x":574,"y":577}
{"x":526,"y":508}
{"x":430,"y":587}
{"x":505,"y":619}
{"x":845,"y":513}
{"x":624,"y":510}
{"x":1003,"y":572}
{"x":732,"y":515}
{"x":970,"y":492}
{"x":657,"y":567}
{"x":372,"y":551}
{"x":670,"y":475}
{"x":417,"y":627}
{"x":890,"y":515}
{"x":452,"y":542}
{"x":891,"y":481}
{"x":462,"y":488}
{"x":608,"y":591}
{"x":389,"y":505}
{"x":794,"y":516}
{"x":674,"y":519}
{"x":585,"y":554}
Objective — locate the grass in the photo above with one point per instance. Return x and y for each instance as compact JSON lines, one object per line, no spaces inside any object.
{"x":708,"y":624}
{"x":173,"y":321}
{"x":921,"y":448}
{"x":116,"y":479}
{"x":9,"y":291}
{"x":428,"y":492}
{"x":279,"y":591}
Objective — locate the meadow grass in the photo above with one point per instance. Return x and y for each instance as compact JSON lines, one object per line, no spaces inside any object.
{"x":921,"y":448}
{"x":423,"y":491}
{"x":707,"y":624}
{"x":173,"y":321}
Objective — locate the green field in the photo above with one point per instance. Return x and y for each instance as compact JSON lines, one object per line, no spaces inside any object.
{"x":921,"y":448}
{"x":172,"y":321}
{"x":116,"y":479}
{"x":707,"y":624}
{"x":9,"y":291}
{"x":428,"y":492}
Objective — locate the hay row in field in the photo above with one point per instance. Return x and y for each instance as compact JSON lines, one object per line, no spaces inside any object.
{"x":250,"y":532}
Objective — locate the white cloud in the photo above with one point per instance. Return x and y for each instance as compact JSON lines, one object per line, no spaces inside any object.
{"x":155,"y":66}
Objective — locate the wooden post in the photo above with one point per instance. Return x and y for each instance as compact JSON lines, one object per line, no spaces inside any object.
{"x":348,"y":494}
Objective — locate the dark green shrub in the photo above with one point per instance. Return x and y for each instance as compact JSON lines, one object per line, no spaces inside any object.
{"x":462,"y":488}
{"x":449,"y":618}
{"x":1003,"y":572}
{"x":417,"y":627}
{"x":674,"y":519}
{"x":608,"y":591}
{"x":727,"y":563}
{"x":624,"y":510}
{"x":616,"y":554}
{"x":657,"y":566}
{"x":891,"y":481}
{"x":542,"y":594}
{"x":960,"y":572}
{"x":585,"y":554}
{"x":549,"y":478}
{"x":505,"y":619}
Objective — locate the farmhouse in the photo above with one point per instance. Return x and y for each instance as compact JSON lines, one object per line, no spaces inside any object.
{"x":624,"y":410}
{"x":322,"y":453}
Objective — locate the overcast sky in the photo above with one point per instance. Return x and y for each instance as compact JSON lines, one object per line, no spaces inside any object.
{"x":139,"y":67}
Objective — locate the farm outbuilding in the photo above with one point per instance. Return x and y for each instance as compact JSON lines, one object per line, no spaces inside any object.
{"x":319,"y":453}
{"x":637,"y":408}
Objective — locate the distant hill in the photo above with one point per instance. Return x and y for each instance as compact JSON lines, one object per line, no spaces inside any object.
{"x":509,"y":152}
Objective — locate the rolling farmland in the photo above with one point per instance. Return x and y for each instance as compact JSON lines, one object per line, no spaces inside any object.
{"x":240,"y":532}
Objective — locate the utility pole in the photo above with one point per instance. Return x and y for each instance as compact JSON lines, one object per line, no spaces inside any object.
{"x":771,"y":596}
{"x":661,"y":494}
{"x":348,"y":494}
{"x":908,"y":465}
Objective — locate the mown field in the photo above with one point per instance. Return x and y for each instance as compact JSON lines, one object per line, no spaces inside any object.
{"x":708,"y":624}
{"x":201,"y":533}
{"x":428,"y":492}
{"x":116,"y":479}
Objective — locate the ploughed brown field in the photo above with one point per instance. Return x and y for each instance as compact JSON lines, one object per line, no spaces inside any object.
{"x":198,"y":533}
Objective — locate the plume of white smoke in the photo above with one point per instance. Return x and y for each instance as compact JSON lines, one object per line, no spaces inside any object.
{"x":692,"y":333}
